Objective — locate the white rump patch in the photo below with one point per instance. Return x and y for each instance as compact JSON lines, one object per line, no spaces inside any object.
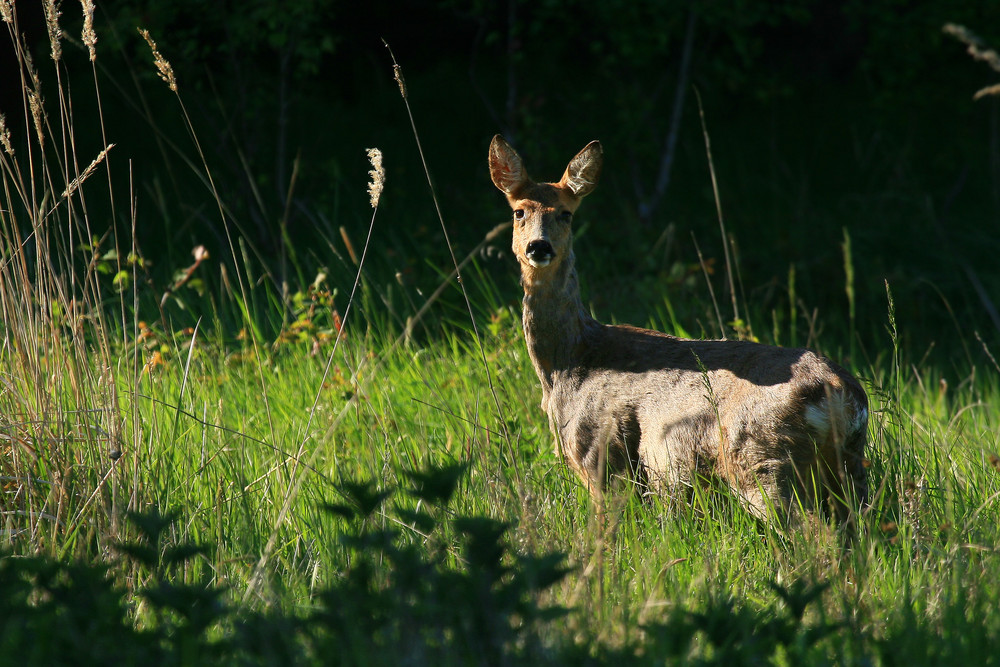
{"x":818,"y":417}
{"x":836,"y":414}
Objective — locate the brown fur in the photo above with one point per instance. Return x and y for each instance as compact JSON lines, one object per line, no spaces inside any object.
{"x":774,"y":424}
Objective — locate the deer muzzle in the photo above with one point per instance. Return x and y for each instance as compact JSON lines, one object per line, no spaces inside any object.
{"x":539,"y":253}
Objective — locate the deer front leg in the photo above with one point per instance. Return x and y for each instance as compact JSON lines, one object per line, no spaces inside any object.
{"x":589,"y":461}
{"x":604,"y":452}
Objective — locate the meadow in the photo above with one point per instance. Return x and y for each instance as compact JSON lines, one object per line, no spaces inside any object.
{"x":234,"y":469}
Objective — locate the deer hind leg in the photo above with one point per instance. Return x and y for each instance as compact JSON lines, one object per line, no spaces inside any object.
{"x":785,"y":481}
{"x":844,"y":485}
{"x":768,"y":491}
{"x":786,"y":490}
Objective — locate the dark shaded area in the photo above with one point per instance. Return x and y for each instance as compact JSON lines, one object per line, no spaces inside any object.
{"x":391,"y":600}
{"x":824,"y":117}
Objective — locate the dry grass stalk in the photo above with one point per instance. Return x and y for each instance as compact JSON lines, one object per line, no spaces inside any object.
{"x":162,"y":64}
{"x":89,"y":36}
{"x":349,"y":245}
{"x":76,"y":182}
{"x":377,"y":174}
{"x":52,"y":14}
{"x":58,"y":404}
{"x":986,"y":349}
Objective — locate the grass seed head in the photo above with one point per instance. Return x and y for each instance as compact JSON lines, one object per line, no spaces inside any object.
{"x":52,"y":14}
{"x":397,"y":74}
{"x":76,"y":182}
{"x":89,"y":36}
{"x":37,"y":114}
{"x":7,"y":11}
{"x":377,"y":174}
{"x":5,"y":136}
{"x":162,"y":65}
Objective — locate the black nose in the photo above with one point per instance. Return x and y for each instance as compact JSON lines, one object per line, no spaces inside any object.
{"x":540,"y":251}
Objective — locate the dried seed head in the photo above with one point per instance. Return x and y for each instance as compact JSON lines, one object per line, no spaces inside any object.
{"x":52,"y":14}
{"x":7,"y":11}
{"x":397,"y":74}
{"x":976,"y":47}
{"x":988,"y":90}
{"x":162,"y":65}
{"x":37,"y":112}
{"x":89,"y":36}
{"x":35,"y":97}
{"x":5,"y":136}
{"x":76,"y":182}
{"x":377,"y":174}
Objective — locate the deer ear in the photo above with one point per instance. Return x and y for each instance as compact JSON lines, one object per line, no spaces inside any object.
{"x":584,"y":170}
{"x":506,"y":167}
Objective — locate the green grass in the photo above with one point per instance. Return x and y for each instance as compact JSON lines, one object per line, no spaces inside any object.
{"x":919,"y":579}
{"x":255,"y":444}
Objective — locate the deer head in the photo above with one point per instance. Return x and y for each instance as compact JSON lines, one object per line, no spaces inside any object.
{"x":543,"y":212}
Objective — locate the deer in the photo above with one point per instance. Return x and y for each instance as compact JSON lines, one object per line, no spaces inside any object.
{"x":784,"y":428}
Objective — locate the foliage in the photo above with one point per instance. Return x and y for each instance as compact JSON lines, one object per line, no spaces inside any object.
{"x":392,"y":600}
{"x":193,"y":470}
{"x":825,"y":116}
{"x":258,"y":35}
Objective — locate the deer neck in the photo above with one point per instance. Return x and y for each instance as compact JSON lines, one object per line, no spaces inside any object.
{"x":554,"y":319}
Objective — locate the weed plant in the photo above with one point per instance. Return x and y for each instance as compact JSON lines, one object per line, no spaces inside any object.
{"x":184,"y":490}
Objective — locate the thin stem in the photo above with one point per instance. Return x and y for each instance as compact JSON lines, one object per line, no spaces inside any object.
{"x":458,"y":274}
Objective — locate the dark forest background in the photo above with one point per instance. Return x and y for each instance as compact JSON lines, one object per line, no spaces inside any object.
{"x":828,"y":121}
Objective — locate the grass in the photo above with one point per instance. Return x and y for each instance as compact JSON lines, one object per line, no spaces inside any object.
{"x":307,"y":479}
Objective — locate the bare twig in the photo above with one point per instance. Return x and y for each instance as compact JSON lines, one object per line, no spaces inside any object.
{"x":648,"y":206}
{"x":718,"y":207}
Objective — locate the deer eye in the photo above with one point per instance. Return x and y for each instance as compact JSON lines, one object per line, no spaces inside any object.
{"x":565,"y":216}
{"x":519,"y":214}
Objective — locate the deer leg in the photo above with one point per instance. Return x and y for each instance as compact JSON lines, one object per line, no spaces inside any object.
{"x":768,"y":492}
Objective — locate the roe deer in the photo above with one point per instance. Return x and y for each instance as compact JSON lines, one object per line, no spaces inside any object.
{"x":779,"y":426}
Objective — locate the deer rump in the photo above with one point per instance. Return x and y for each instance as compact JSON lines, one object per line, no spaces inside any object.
{"x":664,"y":414}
